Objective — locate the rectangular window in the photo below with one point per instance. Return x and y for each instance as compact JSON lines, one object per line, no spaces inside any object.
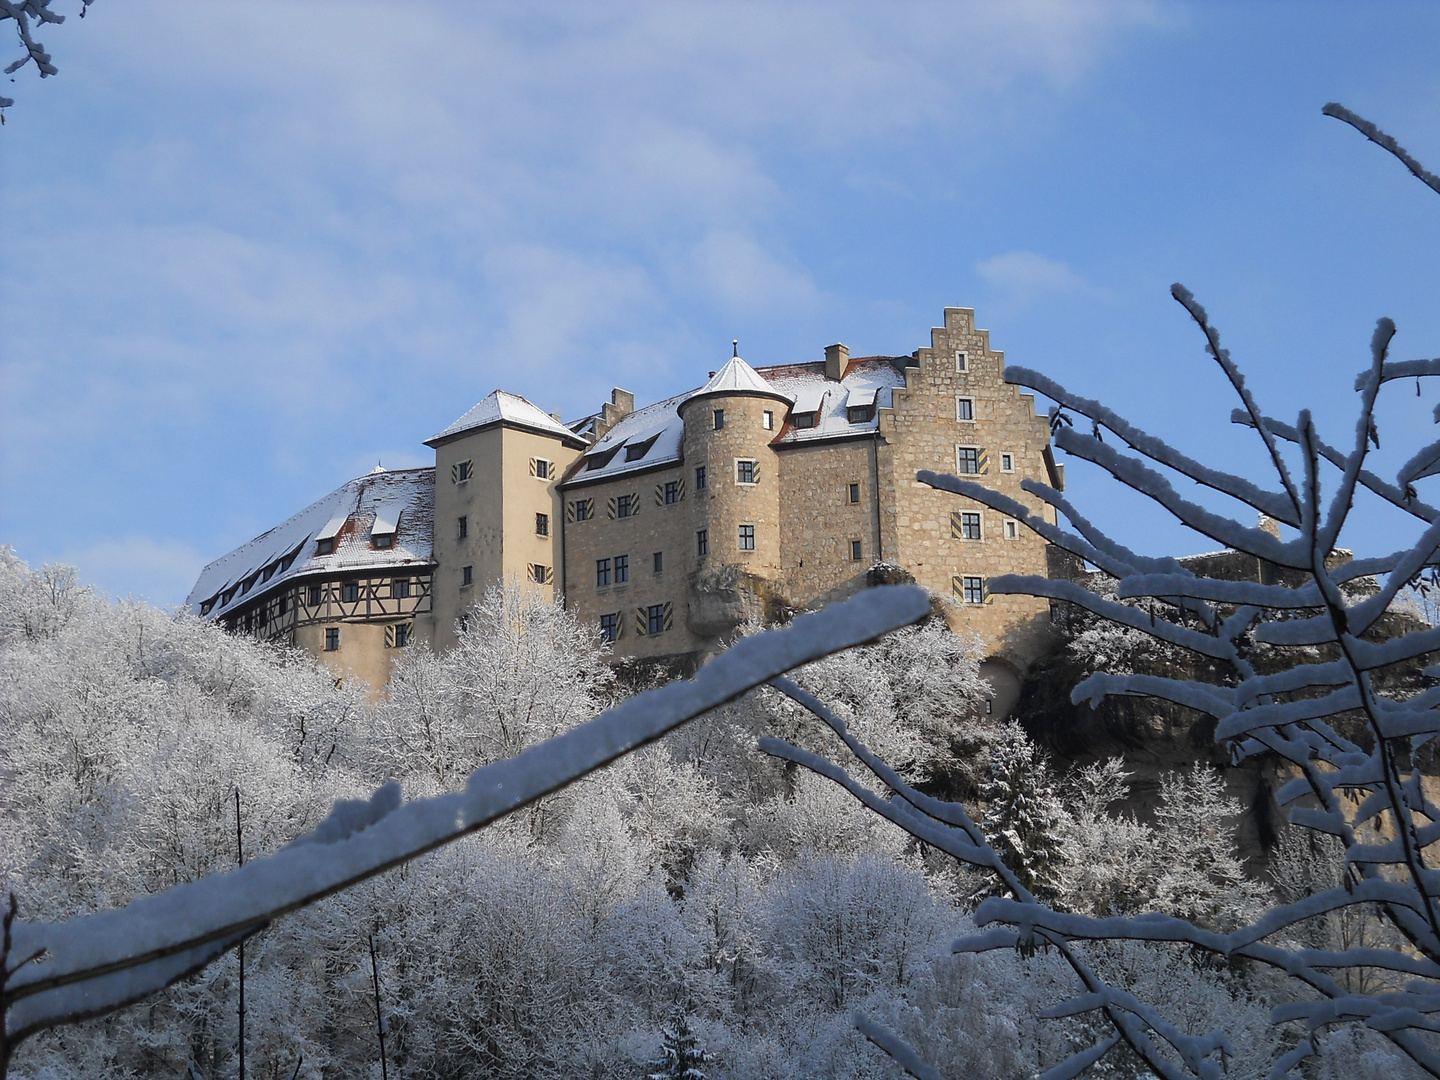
{"x":747,"y":537}
{"x":332,"y":638}
{"x":970,"y":589}
{"x":622,"y":569}
{"x":655,"y":619}
{"x":400,"y":588}
{"x":745,"y":472}
{"x":962,"y":362}
{"x":857,"y":414}
{"x":969,"y":526}
{"x":1007,"y":462}
{"x":610,"y":627}
{"x":658,"y":562}
{"x":967,"y":460}
{"x":462,"y":527}
{"x":855,"y":551}
{"x":540,"y":574}
{"x":768,"y":423}
{"x":623,"y":505}
{"x":383,"y":542}
{"x":719,"y":419}
{"x":467,"y":575}
{"x":672,"y":492}
{"x":1012,"y":529}
{"x":542,"y":524}
{"x":325,"y":547}
{"x":315,"y":595}
{"x":284,"y":604}
{"x":854,"y":493}
{"x":542,"y":469}
{"x":964,"y":408}
{"x":700,"y":478}
{"x":402,"y":635}
{"x":351,"y":591}
{"x":803,"y":419}
{"x":702,"y":543}
{"x":602,"y":572}
{"x":462,"y":472}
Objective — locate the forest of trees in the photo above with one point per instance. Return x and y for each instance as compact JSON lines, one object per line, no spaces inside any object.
{"x":697,"y":883}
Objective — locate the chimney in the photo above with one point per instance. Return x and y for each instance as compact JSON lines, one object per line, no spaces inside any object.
{"x":837,"y":359}
{"x":1270,"y":525}
{"x":623,"y":400}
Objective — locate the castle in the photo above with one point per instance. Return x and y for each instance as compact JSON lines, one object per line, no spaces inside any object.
{"x":762,"y":492}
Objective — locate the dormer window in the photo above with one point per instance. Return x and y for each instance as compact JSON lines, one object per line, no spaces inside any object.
{"x":803,"y":419}
{"x":383,"y":542}
{"x":207,"y":606}
{"x":326,"y":546}
{"x":600,"y":460}
{"x":857,"y":414}
{"x":636,"y":451}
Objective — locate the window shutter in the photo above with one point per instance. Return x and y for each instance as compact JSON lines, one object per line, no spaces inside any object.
{"x":955,"y":531}
{"x":984,"y":461}
{"x":390,"y":637}
{"x":642,"y":622}
{"x":455,"y":473}
{"x":669,"y":614}
{"x":634,"y":504}
{"x":957,"y":586}
{"x":570,"y":512}
{"x":659,"y":494}
{"x":549,"y":575}
{"x":682,"y":488}
{"x":610,"y":504}
{"x":619,"y":625}
{"x":755,"y":474}
{"x":533,"y":470}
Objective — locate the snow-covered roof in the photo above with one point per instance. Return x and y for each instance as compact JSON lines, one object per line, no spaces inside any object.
{"x":660,"y":422}
{"x":502,"y":407}
{"x":403,"y":499}
{"x":736,"y":377}
{"x":868,"y":381}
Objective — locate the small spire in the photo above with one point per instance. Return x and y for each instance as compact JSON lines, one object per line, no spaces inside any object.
{"x":377,"y":469}
{"x":735,"y":347}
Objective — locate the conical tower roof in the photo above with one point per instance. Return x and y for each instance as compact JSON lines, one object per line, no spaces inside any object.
{"x":738,"y":377}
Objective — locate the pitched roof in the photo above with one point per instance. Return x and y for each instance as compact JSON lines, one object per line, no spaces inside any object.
{"x":502,"y":407}
{"x":403,"y":500}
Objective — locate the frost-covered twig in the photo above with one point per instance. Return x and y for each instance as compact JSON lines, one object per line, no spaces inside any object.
{"x":23,"y":12}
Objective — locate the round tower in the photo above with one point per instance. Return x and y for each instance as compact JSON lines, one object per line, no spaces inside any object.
{"x":729,"y":426}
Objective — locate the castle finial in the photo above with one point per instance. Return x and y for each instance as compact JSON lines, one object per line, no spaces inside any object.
{"x":735,"y":348}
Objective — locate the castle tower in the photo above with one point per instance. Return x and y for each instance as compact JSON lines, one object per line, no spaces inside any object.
{"x":498,"y":512}
{"x":729,"y":425}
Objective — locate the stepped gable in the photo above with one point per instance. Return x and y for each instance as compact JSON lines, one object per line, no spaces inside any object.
{"x":500,"y":407}
{"x":401,"y":502}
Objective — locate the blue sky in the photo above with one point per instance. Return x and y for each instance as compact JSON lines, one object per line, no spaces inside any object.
{"x":250,"y":249}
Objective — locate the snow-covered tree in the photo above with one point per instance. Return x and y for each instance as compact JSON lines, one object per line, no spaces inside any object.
{"x":1024,"y":819}
{"x":681,"y":1053}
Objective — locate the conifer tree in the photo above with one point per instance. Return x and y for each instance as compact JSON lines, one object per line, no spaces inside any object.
{"x":1024,"y":815}
{"x":681,"y":1054}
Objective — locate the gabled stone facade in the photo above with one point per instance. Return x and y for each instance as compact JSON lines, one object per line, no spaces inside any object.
{"x":669,"y":527}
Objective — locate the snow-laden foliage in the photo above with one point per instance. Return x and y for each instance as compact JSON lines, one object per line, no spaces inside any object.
{"x":27,"y":15}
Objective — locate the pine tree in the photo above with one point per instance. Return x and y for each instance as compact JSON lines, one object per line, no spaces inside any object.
{"x":1024,"y":815}
{"x":681,"y":1054}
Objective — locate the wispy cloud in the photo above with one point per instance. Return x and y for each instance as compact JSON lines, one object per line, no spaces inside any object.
{"x":1021,"y":278}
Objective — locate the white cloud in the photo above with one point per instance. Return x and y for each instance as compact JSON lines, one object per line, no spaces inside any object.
{"x":1023,"y":277}
{"x":161,"y":571}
